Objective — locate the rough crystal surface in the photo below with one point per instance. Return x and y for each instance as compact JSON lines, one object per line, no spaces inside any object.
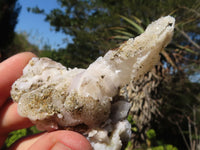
{"x":54,"y":97}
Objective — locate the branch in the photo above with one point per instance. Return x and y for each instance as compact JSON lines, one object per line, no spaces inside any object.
{"x":188,"y":38}
{"x":191,"y":10}
{"x":188,"y":147}
{"x":167,"y":57}
{"x":195,"y":124}
{"x":190,"y":132}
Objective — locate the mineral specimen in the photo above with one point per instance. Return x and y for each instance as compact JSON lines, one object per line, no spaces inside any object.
{"x":54,"y":97}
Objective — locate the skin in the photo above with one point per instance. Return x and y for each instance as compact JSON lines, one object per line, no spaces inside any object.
{"x":10,"y":70}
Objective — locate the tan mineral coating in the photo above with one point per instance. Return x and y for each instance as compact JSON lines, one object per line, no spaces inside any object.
{"x":52,"y":96}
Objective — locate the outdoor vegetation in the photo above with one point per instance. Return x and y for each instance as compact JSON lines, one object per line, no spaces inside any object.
{"x":166,"y":102}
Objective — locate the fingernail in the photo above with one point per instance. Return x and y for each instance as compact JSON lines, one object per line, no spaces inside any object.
{"x":60,"y":146}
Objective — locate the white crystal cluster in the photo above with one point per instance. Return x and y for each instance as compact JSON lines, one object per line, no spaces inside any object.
{"x":53,"y":96}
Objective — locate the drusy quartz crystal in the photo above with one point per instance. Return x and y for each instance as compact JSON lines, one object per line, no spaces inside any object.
{"x":55,"y":97}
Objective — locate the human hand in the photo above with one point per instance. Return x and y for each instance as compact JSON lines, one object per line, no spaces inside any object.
{"x":10,"y":70}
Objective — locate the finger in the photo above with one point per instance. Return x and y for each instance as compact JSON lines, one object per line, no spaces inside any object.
{"x":10,"y":119}
{"x":10,"y":70}
{"x":55,"y":140}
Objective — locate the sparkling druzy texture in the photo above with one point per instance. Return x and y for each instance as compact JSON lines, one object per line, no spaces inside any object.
{"x":53,"y":96}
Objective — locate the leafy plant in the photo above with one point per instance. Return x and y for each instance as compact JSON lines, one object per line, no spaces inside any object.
{"x":18,"y":134}
{"x":151,"y":134}
{"x":14,"y":136}
{"x":133,"y":28}
{"x":165,"y":147}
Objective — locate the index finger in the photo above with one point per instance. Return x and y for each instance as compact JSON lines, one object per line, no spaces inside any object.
{"x":10,"y":70}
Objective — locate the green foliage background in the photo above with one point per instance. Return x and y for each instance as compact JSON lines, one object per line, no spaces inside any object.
{"x":99,"y":25}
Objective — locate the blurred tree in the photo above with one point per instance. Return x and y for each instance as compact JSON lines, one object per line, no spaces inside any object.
{"x":9,"y":11}
{"x":169,"y":82}
{"x":90,"y":24}
{"x":20,"y":43}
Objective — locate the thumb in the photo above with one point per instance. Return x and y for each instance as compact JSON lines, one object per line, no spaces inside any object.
{"x":57,"y":140}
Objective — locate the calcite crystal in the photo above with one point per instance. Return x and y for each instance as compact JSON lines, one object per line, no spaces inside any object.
{"x":54,"y":97}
